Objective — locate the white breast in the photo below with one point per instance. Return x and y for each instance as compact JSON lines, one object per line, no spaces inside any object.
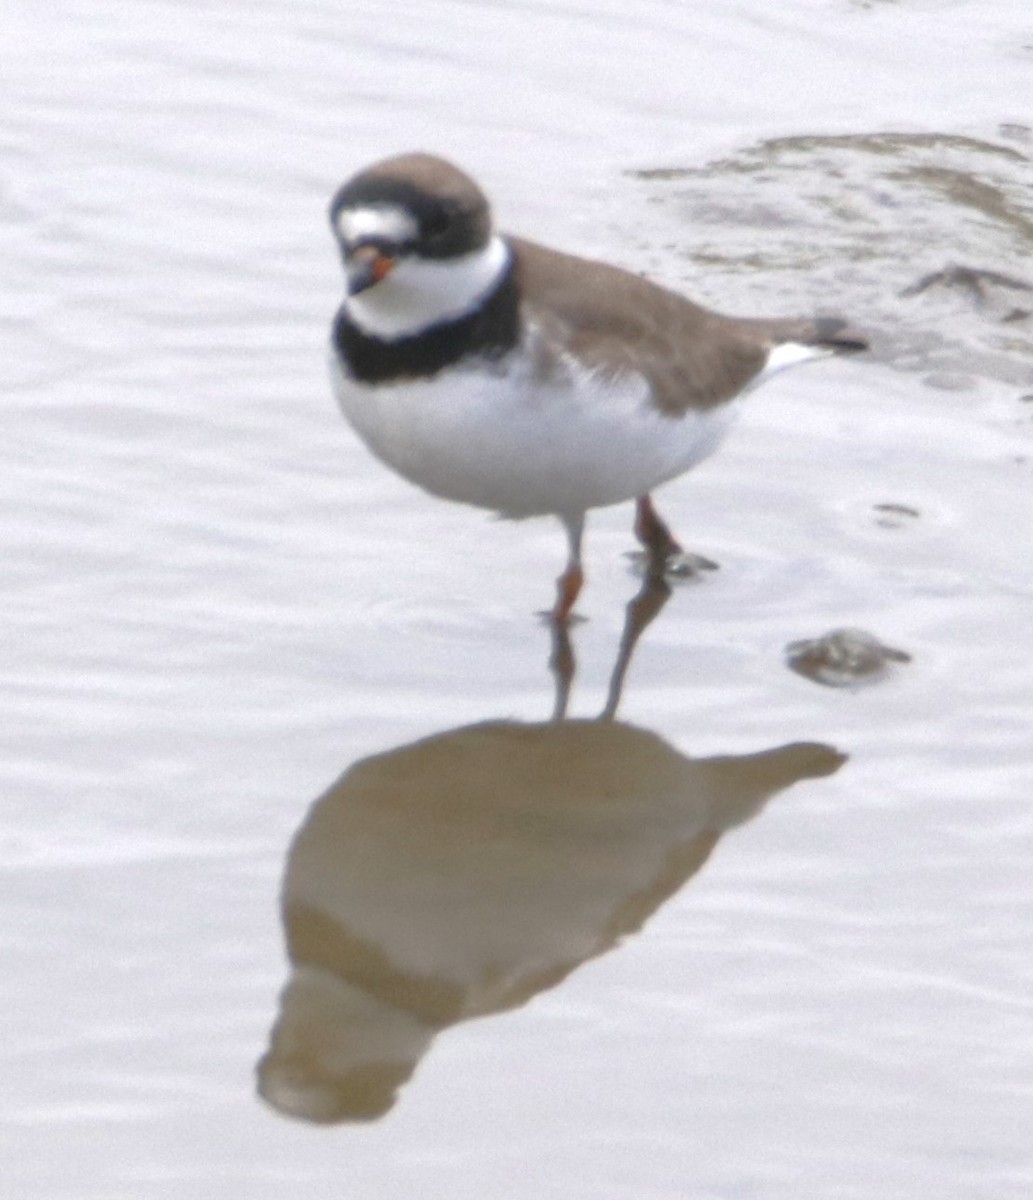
{"x":505,"y":440}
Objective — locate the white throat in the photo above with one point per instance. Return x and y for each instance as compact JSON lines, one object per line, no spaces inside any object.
{"x":422,"y":292}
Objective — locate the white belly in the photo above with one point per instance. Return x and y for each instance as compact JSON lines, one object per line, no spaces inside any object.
{"x":509,"y":442}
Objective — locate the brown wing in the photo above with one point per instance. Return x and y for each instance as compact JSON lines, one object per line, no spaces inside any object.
{"x":615,"y":321}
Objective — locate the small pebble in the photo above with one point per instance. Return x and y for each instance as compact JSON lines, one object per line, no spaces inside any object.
{"x":950,"y":381}
{"x":843,"y":658}
{"x":894,"y":516}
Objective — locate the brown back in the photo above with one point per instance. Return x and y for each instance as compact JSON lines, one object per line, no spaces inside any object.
{"x":610,"y":319}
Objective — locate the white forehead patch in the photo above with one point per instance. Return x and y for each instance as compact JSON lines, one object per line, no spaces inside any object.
{"x":386,"y":221}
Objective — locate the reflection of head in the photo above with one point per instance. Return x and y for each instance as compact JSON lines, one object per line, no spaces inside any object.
{"x":297,"y":1087}
{"x":337,"y":1053}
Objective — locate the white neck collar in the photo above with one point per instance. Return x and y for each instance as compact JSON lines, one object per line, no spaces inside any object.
{"x":420,"y":293}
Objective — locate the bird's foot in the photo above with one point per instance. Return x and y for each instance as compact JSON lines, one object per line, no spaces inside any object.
{"x":673,"y":568}
{"x":548,"y":616}
{"x":568,"y":588}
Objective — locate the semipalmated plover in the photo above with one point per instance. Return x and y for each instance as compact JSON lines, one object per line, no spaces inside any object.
{"x":500,"y":373}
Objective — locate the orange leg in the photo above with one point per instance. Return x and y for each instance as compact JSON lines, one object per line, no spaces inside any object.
{"x":654,"y":535}
{"x":568,"y":586}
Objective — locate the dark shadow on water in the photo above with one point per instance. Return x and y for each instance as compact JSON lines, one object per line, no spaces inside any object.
{"x":463,"y":874}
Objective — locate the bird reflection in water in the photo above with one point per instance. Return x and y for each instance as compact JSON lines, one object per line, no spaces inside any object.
{"x":464,"y":874}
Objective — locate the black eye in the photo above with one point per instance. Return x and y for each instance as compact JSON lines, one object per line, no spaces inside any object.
{"x":437,"y":224}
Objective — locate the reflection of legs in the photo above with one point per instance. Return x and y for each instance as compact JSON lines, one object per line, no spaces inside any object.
{"x":562,"y":665}
{"x":561,"y":662}
{"x":645,"y":607}
{"x":652,"y":532}
{"x":641,"y":612}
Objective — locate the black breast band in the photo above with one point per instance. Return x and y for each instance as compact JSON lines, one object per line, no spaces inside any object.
{"x":490,"y":331}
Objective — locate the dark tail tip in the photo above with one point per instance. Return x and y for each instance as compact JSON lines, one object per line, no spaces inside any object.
{"x":838,"y":335}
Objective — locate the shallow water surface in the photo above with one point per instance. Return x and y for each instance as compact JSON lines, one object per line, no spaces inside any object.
{"x":304,"y":891}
